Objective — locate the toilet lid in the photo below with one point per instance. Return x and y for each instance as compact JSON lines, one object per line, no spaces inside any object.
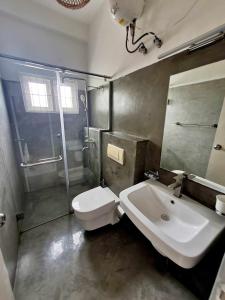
{"x":93,"y":199}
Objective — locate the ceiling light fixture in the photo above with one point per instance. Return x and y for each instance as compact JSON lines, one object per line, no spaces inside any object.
{"x":73,"y":4}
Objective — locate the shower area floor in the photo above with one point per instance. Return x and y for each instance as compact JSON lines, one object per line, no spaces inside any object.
{"x":47,"y":204}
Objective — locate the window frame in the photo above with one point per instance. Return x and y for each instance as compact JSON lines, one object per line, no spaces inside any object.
{"x":75,"y":101}
{"x":52,"y":94}
{"x":27,"y":98}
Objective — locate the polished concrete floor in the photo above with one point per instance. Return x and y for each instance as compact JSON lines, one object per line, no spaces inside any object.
{"x":46,"y":204}
{"x":59,"y":261}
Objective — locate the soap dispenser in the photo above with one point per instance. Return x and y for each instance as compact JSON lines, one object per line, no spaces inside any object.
{"x":220,"y":205}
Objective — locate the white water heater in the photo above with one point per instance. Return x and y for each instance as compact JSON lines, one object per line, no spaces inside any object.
{"x":125,"y":11}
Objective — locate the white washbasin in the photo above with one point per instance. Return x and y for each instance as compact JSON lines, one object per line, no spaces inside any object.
{"x":180,"y":229}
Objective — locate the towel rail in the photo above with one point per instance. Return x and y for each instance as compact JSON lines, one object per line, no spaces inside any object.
{"x":196,"y":125}
{"x":43,"y":161}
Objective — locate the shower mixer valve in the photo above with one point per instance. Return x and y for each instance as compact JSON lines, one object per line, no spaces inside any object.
{"x":85,"y":148}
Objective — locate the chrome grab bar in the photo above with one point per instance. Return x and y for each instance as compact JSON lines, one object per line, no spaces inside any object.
{"x":42,"y":162}
{"x":48,"y":158}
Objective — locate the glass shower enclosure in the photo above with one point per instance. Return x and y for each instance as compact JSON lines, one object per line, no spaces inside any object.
{"x":48,"y":110}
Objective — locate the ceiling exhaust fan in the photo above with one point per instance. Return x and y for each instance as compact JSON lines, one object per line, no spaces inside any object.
{"x":73,"y":4}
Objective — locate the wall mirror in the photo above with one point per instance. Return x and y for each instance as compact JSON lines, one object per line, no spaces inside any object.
{"x":194,"y":133}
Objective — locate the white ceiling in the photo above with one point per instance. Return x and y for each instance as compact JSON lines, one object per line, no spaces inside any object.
{"x":84,"y":15}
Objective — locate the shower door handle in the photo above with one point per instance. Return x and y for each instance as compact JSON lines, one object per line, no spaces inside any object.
{"x":42,"y":162}
{"x":2,"y":219}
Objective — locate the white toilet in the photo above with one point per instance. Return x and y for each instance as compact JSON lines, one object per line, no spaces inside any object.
{"x":96,"y":208}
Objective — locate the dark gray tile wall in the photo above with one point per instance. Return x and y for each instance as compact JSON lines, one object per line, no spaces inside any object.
{"x":92,"y":155}
{"x":98,"y":100}
{"x":140,"y":100}
{"x":118,"y":177}
{"x":139,"y":106}
{"x":11,"y":193}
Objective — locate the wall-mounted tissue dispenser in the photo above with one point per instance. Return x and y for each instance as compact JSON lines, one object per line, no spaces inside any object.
{"x":115,"y":153}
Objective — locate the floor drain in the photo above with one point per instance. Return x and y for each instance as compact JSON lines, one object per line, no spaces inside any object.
{"x":165,"y":217}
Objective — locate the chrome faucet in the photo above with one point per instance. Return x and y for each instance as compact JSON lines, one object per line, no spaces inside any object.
{"x":84,"y":148}
{"x":88,"y":144}
{"x":152,"y":175}
{"x":178,"y":185}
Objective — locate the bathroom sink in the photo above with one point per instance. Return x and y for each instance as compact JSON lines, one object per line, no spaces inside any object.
{"x":179,"y":228}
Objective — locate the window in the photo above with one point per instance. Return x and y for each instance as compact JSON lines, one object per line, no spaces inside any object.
{"x":37,"y":94}
{"x":69,"y":97}
{"x":66,"y":97}
{"x":40,"y":95}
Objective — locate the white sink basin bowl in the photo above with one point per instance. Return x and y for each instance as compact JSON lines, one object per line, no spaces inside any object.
{"x":180,"y":229}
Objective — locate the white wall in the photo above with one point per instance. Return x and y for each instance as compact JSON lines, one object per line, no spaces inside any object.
{"x":23,"y":39}
{"x":37,"y":14}
{"x":215,"y":171}
{"x":175,"y":21}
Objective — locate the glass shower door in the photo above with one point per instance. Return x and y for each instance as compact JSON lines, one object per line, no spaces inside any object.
{"x":36,"y":119}
{"x":74,"y":121}
{"x":57,"y":151}
{"x":83,"y":143}
{"x":47,"y":196}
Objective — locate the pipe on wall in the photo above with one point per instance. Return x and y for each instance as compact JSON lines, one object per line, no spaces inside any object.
{"x":212,"y":34}
{"x":59,"y":68}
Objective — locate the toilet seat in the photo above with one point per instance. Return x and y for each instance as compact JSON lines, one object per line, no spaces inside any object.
{"x":96,"y":208}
